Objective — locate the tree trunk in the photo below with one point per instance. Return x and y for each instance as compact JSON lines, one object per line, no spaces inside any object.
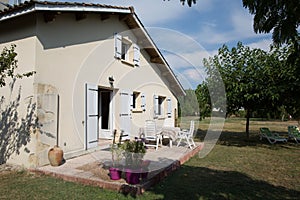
{"x":247,"y":123}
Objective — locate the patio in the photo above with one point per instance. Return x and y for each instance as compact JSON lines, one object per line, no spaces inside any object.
{"x":83,"y":168}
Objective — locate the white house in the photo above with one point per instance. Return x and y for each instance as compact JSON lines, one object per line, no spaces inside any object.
{"x":97,"y":69}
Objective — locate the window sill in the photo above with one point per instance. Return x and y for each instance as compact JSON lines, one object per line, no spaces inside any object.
{"x":160,"y":117}
{"x":127,"y":63}
{"x":137,"y":111}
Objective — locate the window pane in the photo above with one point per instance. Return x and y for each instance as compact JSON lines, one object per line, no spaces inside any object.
{"x":124,"y":51}
{"x":134,"y":100}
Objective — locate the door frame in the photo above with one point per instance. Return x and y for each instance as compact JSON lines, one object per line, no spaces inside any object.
{"x":107,"y":133}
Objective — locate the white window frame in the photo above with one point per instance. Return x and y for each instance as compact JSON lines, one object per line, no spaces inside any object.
{"x":159,"y":106}
{"x":126,"y":51}
{"x":138,"y":102}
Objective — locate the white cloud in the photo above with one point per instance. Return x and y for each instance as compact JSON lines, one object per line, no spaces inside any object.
{"x":180,"y":50}
{"x":205,"y":5}
{"x":261,"y":44}
{"x":236,"y":26}
{"x":150,"y":12}
{"x":190,"y":78}
{"x":242,"y":23}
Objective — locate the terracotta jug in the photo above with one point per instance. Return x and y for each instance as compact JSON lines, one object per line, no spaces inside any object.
{"x":55,"y":156}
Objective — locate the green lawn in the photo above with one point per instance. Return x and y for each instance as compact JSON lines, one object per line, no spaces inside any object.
{"x":237,"y":168}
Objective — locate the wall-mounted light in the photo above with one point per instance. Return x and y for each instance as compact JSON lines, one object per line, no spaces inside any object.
{"x":111,"y":81}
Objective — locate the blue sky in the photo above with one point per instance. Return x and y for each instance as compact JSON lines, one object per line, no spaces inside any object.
{"x":186,"y":35}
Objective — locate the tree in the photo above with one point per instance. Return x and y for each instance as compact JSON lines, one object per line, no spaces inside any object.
{"x":189,"y":2}
{"x":204,"y":102}
{"x":8,"y":65}
{"x":253,"y":78}
{"x":290,"y":95}
{"x":188,"y":103}
{"x":280,"y":16}
{"x":15,"y":130}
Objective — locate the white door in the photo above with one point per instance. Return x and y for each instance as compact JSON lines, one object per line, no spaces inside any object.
{"x":91,"y":116}
{"x":125,"y":115}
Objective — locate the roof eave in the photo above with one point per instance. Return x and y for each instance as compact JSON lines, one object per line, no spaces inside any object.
{"x":36,"y":6}
{"x":180,"y":90}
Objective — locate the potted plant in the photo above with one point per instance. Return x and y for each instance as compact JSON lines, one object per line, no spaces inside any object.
{"x":115,"y":170}
{"x":134,"y":152}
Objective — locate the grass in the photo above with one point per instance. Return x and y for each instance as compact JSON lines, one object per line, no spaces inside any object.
{"x":237,"y":168}
{"x":24,"y":185}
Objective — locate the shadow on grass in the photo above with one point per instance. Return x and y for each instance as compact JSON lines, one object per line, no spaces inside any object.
{"x":239,"y":139}
{"x":203,"y":183}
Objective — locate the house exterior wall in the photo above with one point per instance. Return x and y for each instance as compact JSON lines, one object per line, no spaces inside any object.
{"x":66,"y":54}
{"x":21,"y":143}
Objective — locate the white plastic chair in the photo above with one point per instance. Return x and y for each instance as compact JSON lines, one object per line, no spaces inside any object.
{"x":187,"y":135}
{"x":151,"y":137}
{"x":169,"y":131}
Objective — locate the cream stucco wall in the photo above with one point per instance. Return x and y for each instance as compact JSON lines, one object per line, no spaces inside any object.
{"x":24,"y":149}
{"x":67,"y":54}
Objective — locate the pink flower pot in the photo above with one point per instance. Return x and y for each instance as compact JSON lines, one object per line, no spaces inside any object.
{"x":115,"y":173}
{"x":133,"y":176}
{"x":144,"y":174}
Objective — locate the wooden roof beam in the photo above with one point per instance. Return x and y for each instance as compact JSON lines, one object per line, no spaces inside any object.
{"x":124,"y":17}
{"x":80,"y":16}
{"x":104,"y":16}
{"x":156,"y":60}
{"x":50,"y":16}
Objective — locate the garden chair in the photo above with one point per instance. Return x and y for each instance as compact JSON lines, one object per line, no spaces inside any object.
{"x":294,"y":133}
{"x":187,"y":135}
{"x":271,"y":136}
{"x":152,"y":136}
{"x":169,"y":131}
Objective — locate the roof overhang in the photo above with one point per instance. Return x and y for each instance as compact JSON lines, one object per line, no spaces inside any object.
{"x":33,"y":6}
{"x":126,"y":14}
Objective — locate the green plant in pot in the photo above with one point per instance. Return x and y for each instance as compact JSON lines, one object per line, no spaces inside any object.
{"x":134,"y":152}
{"x":116,"y":155}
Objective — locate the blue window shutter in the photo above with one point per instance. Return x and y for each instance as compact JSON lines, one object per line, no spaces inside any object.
{"x":118,"y":45}
{"x":125,"y":114}
{"x":156,"y":105}
{"x":169,"y":104}
{"x":136,"y":55}
{"x":131,"y":101}
{"x":143,"y":99}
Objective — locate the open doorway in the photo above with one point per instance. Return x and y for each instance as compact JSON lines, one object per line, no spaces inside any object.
{"x":105,"y":113}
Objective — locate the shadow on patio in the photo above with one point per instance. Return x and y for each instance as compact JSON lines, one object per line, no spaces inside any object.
{"x":203,"y":183}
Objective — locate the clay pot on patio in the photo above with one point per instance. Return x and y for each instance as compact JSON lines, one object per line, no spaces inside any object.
{"x":55,"y":156}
